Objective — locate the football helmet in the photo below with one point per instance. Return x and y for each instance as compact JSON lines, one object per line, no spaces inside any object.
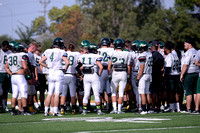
{"x":12,"y":43}
{"x":18,"y":47}
{"x":142,"y":46}
{"x":161,"y":44}
{"x":105,"y":42}
{"x":134,"y":45}
{"x":119,"y":44}
{"x":92,"y":48}
{"x":58,"y":42}
{"x":85,"y":44}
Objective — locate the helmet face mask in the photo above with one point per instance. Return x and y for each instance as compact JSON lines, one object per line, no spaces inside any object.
{"x":58,"y":42}
{"x":105,"y":42}
{"x":119,"y":44}
{"x":92,"y":48}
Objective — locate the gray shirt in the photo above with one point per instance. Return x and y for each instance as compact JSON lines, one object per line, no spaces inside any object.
{"x":197,"y":57}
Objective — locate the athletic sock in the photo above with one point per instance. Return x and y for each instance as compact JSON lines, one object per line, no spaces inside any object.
{"x":144,"y":107}
{"x":119,"y":107}
{"x":124,"y":104}
{"x":62,"y":106}
{"x":25,"y":109}
{"x":148,"y":107}
{"x":114,"y":105}
{"x":55,"y":110}
{"x":73,"y":107}
{"x":46,"y":109}
{"x":13,"y":109}
{"x":171,"y":106}
{"x":177,"y":106}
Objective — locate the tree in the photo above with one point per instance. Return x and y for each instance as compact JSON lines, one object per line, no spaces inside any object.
{"x":5,"y":38}
{"x":188,"y":4}
{"x":40,"y":25}
{"x":46,"y":44}
{"x":25,"y":36}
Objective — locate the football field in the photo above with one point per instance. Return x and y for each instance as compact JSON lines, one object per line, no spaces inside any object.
{"x":92,"y":123}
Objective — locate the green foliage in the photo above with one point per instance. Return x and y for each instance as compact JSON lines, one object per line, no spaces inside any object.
{"x":188,"y":4}
{"x":39,"y":25}
{"x":5,"y":38}
{"x":46,"y":44}
{"x":25,"y":35}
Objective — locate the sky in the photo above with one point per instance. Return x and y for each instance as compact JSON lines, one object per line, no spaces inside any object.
{"x":12,"y":12}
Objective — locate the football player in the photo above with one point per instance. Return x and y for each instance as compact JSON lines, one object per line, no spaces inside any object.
{"x":69,"y":82}
{"x":121,"y":73}
{"x":104,"y":80}
{"x":90,"y":64}
{"x":16,"y":66}
{"x":54,"y":58}
{"x":189,"y":73}
{"x":4,"y":77}
{"x":144,"y":77}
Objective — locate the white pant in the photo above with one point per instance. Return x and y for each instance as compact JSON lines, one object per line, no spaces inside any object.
{"x":144,"y":84}
{"x":69,"y":81}
{"x":135,"y":88}
{"x":121,"y":79}
{"x":19,"y":85}
{"x":91,"y":80}
{"x":104,"y":81}
{"x":55,"y":80}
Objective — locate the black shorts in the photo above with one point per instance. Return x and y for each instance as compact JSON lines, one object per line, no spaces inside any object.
{"x":41,"y":85}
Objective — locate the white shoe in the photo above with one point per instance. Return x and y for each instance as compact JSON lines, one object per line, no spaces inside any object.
{"x":162,"y":107}
{"x":46,"y":114}
{"x":99,"y":112}
{"x":84,"y":112}
{"x":151,"y":112}
{"x":144,"y":113}
{"x":120,"y":112}
{"x":57,"y":114}
{"x":113,"y":112}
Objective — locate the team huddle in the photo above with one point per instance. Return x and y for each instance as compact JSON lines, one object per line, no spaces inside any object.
{"x":149,"y":77}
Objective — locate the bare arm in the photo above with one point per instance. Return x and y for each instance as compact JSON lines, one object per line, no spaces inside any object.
{"x":7,"y":69}
{"x":109,"y":67}
{"x":100,"y":67}
{"x":197,"y":63}
{"x":184,"y":69}
{"x":66,"y":62}
{"x":42,"y":61}
{"x":141,"y":71}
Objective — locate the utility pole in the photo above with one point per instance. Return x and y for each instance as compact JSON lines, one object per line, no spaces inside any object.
{"x":44,"y":3}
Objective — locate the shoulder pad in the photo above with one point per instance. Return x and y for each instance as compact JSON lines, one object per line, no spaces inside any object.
{"x":65,"y":54}
{"x":25,"y":57}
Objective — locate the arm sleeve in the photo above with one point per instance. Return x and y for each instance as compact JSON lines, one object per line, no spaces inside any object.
{"x":78,"y":68}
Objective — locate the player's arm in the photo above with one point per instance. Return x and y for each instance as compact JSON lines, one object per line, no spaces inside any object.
{"x":42,"y":61}
{"x":100,"y":67}
{"x":109,"y":67}
{"x":142,"y":61}
{"x":7,"y":69}
{"x":36,"y":73}
{"x":184,"y":69}
{"x":197,"y":63}
{"x":66,"y":62}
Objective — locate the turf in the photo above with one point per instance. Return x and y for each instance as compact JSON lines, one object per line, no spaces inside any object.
{"x":176,"y":123}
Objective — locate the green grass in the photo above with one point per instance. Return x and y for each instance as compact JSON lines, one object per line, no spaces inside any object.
{"x":35,"y":123}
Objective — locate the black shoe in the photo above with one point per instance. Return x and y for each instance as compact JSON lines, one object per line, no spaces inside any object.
{"x":13,"y":113}
{"x":195,"y":112}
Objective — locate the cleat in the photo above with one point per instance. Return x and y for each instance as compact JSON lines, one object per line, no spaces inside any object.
{"x":99,"y":112}
{"x":46,"y":114}
{"x":67,"y":108}
{"x":187,"y":111}
{"x":32,"y":110}
{"x":143,"y":113}
{"x":80,"y":109}
{"x":62,"y":111}
{"x":73,"y":112}
{"x":120,"y":112}
{"x":151,"y":112}
{"x":27,"y":113}
{"x":162,"y":107}
{"x":195,"y":112}
{"x":168,"y":110}
{"x":113,"y":112}
{"x":84,"y":112}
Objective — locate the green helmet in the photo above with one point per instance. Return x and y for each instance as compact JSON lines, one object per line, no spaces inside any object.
{"x":134,"y":45}
{"x":142,"y":46}
{"x":105,"y":42}
{"x":85,"y":43}
{"x":18,"y":47}
{"x":119,"y":44}
{"x":161,"y":44}
{"x":12,"y":43}
{"x":92,"y":48}
{"x":58,"y":42}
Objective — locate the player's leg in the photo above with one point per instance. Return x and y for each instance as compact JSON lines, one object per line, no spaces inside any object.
{"x":87,"y":87}
{"x":15,"y":92}
{"x":72,"y":88}
{"x":63,"y":95}
{"x":51,"y":86}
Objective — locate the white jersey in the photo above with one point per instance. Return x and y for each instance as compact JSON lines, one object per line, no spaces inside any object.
{"x":135,"y":61}
{"x":104,"y":53}
{"x":89,"y":60}
{"x":188,"y":59}
{"x":37,"y":59}
{"x":15,"y":61}
{"x":147,"y":59}
{"x":54,"y":58}
{"x":197,"y":57}
{"x":161,"y":51}
{"x":172,"y":61}
{"x":73,"y":59}
{"x":3,"y":56}
{"x":119,"y":57}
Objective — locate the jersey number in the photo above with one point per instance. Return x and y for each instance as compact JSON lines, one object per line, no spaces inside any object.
{"x":51,"y":56}
{"x":88,"y":59}
{"x":114,"y":59}
{"x":105,"y":59}
{"x":13,"y":60}
{"x":71,"y":60}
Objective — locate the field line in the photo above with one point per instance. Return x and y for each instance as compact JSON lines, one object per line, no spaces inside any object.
{"x":145,"y":129}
